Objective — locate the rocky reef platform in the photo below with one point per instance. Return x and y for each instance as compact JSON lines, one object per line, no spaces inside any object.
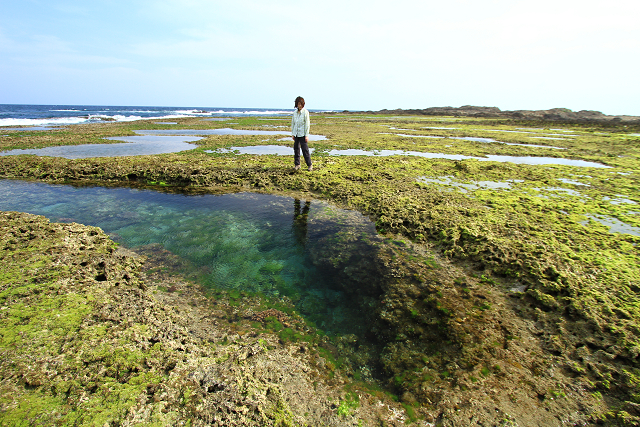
{"x":551,"y":115}
{"x":500,"y":299}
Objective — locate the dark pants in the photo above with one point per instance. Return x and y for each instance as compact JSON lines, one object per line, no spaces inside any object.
{"x":299,"y":143}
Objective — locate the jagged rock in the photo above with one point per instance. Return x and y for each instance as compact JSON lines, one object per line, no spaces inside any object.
{"x":554,"y":114}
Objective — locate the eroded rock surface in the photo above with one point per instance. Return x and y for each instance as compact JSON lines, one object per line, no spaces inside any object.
{"x":86,"y":341}
{"x":553,"y":114}
{"x":88,"y":338}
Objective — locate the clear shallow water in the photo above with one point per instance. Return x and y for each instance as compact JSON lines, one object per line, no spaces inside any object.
{"x":133,"y":146}
{"x":171,"y":141}
{"x":250,"y":242}
{"x":619,"y":200}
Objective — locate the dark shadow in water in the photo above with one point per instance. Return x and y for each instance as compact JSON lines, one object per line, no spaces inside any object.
{"x":300,"y":215}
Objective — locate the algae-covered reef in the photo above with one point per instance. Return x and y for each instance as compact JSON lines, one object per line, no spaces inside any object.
{"x":503,"y":293}
{"x":86,"y":338}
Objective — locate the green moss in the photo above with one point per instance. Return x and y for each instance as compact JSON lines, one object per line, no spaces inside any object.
{"x":47,"y":321}
{"x":348,"y":404}
{"x":273,"y":324}
{"x":411,"y":413}
{"x":530,"y":235}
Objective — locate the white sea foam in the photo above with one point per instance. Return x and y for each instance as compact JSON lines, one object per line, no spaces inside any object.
{"x":42,"y":122}
{"x":90,"y":115}
{"x":78,"y":120}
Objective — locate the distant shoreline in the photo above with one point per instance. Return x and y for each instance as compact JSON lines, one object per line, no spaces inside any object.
{"x":554,"y":114}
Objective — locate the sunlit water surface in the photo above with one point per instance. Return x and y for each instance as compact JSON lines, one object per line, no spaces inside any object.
{"x":132,"y":146}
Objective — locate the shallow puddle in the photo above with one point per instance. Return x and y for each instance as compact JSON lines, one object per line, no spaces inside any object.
{"x":243,"y":242}
{"x":619,"y":200}
{"x":133,"y":146}
{"x":548,"y":192}
{"x":615,"y":225}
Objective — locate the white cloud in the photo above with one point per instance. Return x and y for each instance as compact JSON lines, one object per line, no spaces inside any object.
{"x":342,"y":54}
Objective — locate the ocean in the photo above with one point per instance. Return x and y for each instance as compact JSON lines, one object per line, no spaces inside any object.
{"x":51,"y":115}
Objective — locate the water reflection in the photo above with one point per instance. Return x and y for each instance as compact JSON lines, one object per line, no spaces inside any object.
{"x":133,"y":146}
{"x":300,"y":216}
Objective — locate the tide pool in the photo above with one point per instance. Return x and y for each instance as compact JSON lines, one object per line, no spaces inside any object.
{"x":243,"y":242}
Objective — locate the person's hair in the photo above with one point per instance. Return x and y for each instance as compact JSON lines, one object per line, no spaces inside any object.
{"x":299,"y":99}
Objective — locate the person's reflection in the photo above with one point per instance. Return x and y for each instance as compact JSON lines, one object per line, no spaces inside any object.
{"x":300,"y":220}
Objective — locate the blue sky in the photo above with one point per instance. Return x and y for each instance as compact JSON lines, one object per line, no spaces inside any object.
{"x":356,"y":55}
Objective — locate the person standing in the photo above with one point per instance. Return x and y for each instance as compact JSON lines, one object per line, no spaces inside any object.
{"x":300,"y":126}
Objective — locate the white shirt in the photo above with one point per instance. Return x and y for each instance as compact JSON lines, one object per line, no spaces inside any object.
{"x":300,"y":123}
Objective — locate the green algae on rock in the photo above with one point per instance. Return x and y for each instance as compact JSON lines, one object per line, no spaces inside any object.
{"x":85,"y":342}
{"x":528,"y":303}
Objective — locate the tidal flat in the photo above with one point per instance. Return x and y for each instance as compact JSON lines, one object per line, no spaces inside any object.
{"x":500,"y":293}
